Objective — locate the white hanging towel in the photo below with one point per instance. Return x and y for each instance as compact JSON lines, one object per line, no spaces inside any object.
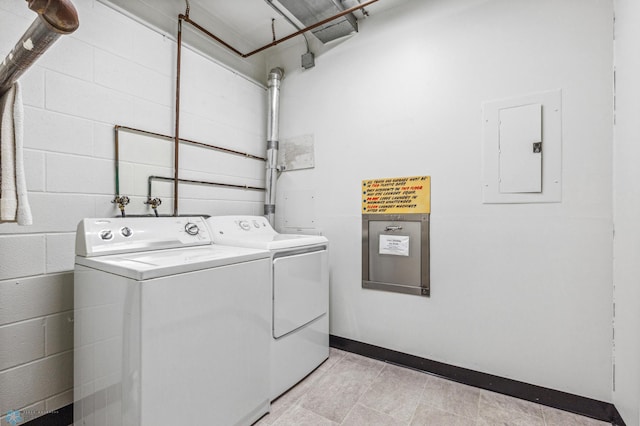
{"x":14,"y":205}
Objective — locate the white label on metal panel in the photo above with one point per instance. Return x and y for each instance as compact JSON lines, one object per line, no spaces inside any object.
{"x":397,"y":245}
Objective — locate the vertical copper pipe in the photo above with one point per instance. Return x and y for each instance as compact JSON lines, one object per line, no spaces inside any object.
{"x":117,"y":158}
{"x":177,"y":129}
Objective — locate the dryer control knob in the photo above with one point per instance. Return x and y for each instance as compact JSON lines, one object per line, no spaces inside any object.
{"x":244,"y":225}
{"x":126,"y":232}
{"x":191,"y":228}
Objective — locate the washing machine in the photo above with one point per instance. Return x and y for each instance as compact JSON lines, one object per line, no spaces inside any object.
{"x":169,"y":328}
{"x":299,"y":289}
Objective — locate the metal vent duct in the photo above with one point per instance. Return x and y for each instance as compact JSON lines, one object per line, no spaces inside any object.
{"x":311,"y":11}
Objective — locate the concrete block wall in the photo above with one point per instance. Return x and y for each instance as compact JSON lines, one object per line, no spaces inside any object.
{"x":112,"y":70}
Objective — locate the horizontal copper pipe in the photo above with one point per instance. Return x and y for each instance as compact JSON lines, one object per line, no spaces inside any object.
{"x":197,"y":182}
{"x":210,"y":34}
{"x":186,"y":18}
{"x":204,"y":145}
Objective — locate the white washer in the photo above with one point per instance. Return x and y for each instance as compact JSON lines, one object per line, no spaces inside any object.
{"x":169,"y":329}
{"x":300,"y":286}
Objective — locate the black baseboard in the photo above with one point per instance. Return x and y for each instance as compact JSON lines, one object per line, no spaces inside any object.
{"x":599,"y":410}
{"x":60,"y":417}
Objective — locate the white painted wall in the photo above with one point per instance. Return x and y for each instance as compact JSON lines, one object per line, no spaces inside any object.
{"x":520,"y":291}
{"x":626,"y":270}
{"x":112,"y":70}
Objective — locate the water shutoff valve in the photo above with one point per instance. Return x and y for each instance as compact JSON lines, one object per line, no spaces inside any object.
{"x":122,"y":201}
{"x":154,"y":203}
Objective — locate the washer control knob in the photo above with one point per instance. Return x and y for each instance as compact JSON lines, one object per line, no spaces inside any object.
{"x":191,"y":228}
{"x":244,"y":224}
{"x":126,"y":232}
{"x":256,"y":224}
{"x":106,"y":235}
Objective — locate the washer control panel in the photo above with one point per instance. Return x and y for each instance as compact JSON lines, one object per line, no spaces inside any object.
{"x":97,"y":237}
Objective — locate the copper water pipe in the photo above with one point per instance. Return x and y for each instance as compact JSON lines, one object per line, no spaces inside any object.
{"x":117,"y":127}
{"x":186,"y":18}
{"x":275,"y":42}
{"x":177,"y":128}
{"x":199,"y":182}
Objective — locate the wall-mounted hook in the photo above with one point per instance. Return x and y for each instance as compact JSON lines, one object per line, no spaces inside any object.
{"x":122,"y":201}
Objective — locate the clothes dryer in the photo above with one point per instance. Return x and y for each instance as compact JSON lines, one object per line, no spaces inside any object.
{"x":169,"y":329}
{"x":300,"y":292}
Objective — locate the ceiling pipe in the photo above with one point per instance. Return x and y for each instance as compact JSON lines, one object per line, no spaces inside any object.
{"x":273,"y":88}
{"x":55,"y":18}
{"x":186,"y":18}
{"x":273,"y":85}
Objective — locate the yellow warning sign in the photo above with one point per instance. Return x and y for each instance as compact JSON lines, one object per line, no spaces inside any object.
{"x":397,"y":195}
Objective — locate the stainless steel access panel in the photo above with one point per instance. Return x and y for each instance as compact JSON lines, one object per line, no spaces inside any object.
{"x":395,"y":253}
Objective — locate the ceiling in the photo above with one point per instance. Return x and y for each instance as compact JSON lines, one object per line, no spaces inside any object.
{"x":244,"y":24}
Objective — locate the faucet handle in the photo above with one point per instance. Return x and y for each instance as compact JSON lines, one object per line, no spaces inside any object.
{"x":122,"y":201}
{"x":153,"y":202}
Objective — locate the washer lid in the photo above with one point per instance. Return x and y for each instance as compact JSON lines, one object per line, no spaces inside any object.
{"x":256,"y":232}
{"x":160,"y":263}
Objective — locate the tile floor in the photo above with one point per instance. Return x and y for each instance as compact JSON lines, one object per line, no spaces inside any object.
{"x":349,"y":389}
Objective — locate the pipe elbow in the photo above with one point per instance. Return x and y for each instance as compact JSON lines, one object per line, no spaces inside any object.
{"x":60,"y":15}
{"x":276,"y":74}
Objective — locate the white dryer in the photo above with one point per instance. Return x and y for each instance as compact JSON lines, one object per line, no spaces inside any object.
{"x":300,"y":291}
{"x":169,"y":329}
